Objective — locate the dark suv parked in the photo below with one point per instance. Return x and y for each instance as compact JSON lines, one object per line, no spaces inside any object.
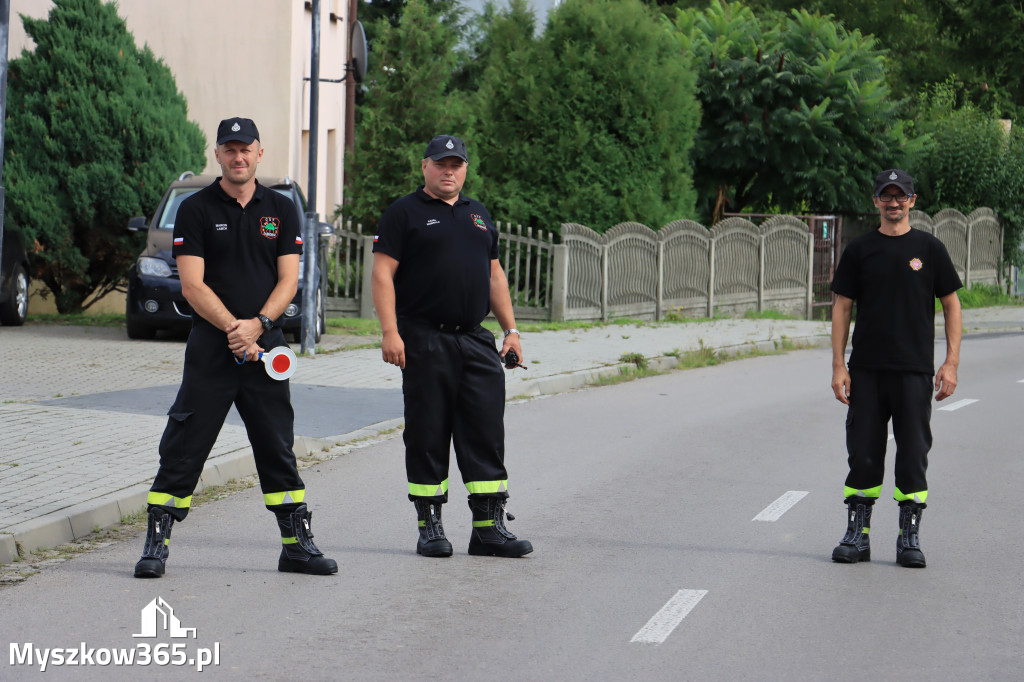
{"x":154,"y":291}
{"x":13,"y":279}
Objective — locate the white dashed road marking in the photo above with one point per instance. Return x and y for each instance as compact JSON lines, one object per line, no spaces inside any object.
{"x":958,"y":404}
{"x":661,"y":624}
{"x":780,"y":506}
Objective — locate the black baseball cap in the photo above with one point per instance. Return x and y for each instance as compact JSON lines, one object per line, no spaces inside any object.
{"x":445,"y":145}
{"x":240,"y":129}
{"x":894,"y":176}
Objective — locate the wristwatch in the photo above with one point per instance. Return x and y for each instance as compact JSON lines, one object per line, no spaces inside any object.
{"x":512,"y":331}
{"x":267,"y":323}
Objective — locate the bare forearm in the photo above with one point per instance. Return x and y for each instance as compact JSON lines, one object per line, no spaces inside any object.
{"x":501,"y":301}
{"x":383,"y":290}
{"x":209,"y":306}
{"x":279,"y":299}
{"x":953,"y":317}
{"x":840,"y":334}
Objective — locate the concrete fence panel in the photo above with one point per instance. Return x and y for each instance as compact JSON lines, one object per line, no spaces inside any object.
{"x":985,"y":244}
{"x":586,"y":290}
{"x":788,"y":248}
{"x":632,"y":257}
{"x":951,"y":229}
{"x":686,"y":269}
{"x":736,"y":266}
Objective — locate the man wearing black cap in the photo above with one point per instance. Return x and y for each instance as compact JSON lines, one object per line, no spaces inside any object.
{"x":436,"y":275}
{"x":237,"y":247}
{"x":894,"y":274}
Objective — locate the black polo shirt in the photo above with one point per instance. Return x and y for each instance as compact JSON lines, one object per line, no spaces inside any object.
{"x":894,"y":282}
{"x":444,"y":255}
{"x":240,"y":246}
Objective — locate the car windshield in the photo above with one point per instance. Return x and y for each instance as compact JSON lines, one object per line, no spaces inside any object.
{"x":178,"y":195}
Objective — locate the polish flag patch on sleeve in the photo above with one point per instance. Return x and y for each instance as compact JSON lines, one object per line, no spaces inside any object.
{"x":298,"y":240}
{"x":178,"y":241}
{"x":376,"y":238}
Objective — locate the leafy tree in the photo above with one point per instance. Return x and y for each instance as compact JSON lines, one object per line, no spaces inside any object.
{"x":796,"y":111}
{"x":989,"y":48}
{"x":970,"y":161}
{"x":408,"y":102}
{"x":977,"y":43}
{"x":917,"y":51}
{"x":592,"y":122}
{"x":96,"y":128}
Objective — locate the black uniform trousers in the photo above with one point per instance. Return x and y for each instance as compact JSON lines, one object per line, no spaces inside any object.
{"x":211,"y":382}
{"x":454,"y":389}
{"x":876,"y":396}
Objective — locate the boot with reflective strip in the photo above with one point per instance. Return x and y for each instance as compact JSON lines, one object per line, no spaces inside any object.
{"x":908,"y":548}
{"x":432,"y":541}
{"x":855,"y":545}
{"x":158,"y":539}
{"x":490,"y":537}
{"x":298,"y":553}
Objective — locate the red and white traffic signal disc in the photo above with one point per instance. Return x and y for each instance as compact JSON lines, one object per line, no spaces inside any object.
{"x":279,"y":362}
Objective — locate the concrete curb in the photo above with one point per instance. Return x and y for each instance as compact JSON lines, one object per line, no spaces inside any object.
{"x":78,"y":521}
{"x":570,"y":381}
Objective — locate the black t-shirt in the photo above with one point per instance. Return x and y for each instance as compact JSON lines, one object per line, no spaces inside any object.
{"x":444,"y":256}
{"x":240,"y":246}
{"x":894,"y":282}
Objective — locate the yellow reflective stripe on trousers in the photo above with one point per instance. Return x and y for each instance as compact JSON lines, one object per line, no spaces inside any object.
{"x":918,"y":497}
{"x":482,"y":487}
{"x":428,"y":489}
{"x":166,"y":500}
{"x":274,"y":499}
{"x":483,"y":524}
{"x":870,"y":492}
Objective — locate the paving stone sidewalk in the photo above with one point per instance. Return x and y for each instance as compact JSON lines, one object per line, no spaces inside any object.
{"x":82,"y":408}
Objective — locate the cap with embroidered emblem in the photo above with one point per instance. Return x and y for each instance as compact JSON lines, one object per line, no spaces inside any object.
{"x":237,"y":129}
{"x":894,"y":176}
{"x":444,"y":146}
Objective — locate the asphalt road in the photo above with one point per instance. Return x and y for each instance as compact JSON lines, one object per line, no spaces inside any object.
{"x":640,"y":500}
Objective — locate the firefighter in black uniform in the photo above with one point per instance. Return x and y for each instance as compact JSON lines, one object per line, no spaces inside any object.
{"x":894,"y":274}
{"x":436,"y":275}
{"x":237,"y":246}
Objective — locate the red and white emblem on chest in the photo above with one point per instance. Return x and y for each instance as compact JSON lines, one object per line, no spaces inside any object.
{"x":916,"y":264}
{"x":268,"y":227}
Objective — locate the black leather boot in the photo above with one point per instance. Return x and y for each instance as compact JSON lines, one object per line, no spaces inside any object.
{"x":432,"y":541}
{"x":158,"y":539}
{"x":855,"y":545}
{"x":298,"y":553}
{"x":490,"y":537}
{"x":908,"y":548}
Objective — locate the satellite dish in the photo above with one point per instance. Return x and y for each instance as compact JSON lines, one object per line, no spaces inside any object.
{"x":357,"y":52}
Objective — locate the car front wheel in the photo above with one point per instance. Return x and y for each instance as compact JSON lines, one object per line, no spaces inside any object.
{"x":14,"y":309}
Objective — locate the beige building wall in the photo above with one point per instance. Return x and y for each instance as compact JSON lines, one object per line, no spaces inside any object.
{"x":245,"y":58}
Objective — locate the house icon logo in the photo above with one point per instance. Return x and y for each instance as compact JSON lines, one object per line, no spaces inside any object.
{"x":158,"y":616}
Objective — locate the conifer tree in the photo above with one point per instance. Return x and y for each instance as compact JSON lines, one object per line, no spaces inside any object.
{"x":96,"y":129}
